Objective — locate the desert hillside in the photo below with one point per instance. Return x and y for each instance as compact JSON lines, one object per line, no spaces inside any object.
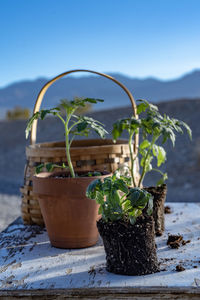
{"x":24,"y":93}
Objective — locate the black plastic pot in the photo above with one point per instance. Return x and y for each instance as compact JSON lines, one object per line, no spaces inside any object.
{"x":159,"y":194}
{"x":130,"y":249}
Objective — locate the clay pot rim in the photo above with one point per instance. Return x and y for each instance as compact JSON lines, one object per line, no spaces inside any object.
{"x":48,"y":175}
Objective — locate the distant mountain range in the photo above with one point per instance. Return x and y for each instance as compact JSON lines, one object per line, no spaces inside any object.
{"x":24,"y":93}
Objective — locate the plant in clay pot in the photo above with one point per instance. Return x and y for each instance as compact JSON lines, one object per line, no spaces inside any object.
{"x":126,"y":225}
{"x":154,"y":127}
{"x":70,"y":217}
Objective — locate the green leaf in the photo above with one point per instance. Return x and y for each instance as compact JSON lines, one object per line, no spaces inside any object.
{"x":142,"y":152}
{"x":50,"y":167}
{"x":107,"y":185}
{"x":139,"y":198}
{"x":121,"y":185}
{"x":134,"y":214}
{"x":43,"y":113}
{"x":148,"y":167}
{"x":82,"y":126}
{"x":39,"y":168}
{"x":134,"y":124}
{"x":155,"y":150}
{"x":95,"y":173}
{"x":142,"y":162}
{"x":145,"y":144}
{"x":145,"y":105}
{"x":93,"y":100}
{"x":127,"y":205}
{"x":115,"y":200}
{"x":141,"y":108}
{"x":94,"y":187}
{"x":161,"y":156}
{"x":187,"y":127}
{"x":131,"y":125}
{"x":99,"y":197}
{"x":162,"y":180}
{"x":126,"y":179}
{"x":153,"y":108}
{"x":168,"y":133}
{"x":132,"y":220}
{"x":38,"y":115}
{"x":30,"y":123}
{"x":117,"y":131}
{"x":93,"y":124}
{"x":64,"y":166}
{"x":145,"y":162}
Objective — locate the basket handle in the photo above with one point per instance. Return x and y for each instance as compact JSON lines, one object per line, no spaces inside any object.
{"x":49,"y":83}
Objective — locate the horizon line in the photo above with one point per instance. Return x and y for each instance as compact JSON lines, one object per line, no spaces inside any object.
{"x":109,"y":73}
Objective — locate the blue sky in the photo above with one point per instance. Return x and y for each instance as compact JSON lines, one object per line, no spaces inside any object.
{"x":140,"y":38}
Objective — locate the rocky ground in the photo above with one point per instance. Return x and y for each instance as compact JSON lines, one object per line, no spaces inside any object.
{"x":182,"y":166}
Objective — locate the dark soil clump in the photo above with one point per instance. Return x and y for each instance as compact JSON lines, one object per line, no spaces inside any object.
{"x":168,"y":210}
{"x":159,"y":194}
{"x":185,"y":242}
{"x":174,"y":241}
{"x":180,"y":268}
{"x":130,"y":249}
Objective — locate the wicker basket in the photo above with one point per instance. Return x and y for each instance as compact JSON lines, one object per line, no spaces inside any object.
{"x":91,"y":155}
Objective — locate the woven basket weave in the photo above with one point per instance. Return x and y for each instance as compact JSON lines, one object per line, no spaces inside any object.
{"x":90,"y":155}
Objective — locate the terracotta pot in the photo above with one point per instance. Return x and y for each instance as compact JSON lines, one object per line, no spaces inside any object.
{"x":159,"y":194}
{"x":70,"y":217}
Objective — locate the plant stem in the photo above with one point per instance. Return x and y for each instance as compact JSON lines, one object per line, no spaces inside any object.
{"x":122,"y":198}
{"x":157,"y":170}
{"x":73,"y":125}
{"x":71,"y":140}
{"x":145,"y":160}
{"x":67,"y":143}
{"x":59,"y":116}
{"x":132,"y":160}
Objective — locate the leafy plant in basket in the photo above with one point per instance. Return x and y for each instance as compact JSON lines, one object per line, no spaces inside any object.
{"x":74,"y":125}
{"x":153,"y":127}
{"x":126,"y":225}
{"x":69,"y":216}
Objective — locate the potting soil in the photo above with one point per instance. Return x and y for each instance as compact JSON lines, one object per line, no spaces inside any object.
{"x":159,"y":194}
{"x":130,"y":249}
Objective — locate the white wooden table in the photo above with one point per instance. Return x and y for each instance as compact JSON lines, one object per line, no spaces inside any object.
{"x":31,"y":268}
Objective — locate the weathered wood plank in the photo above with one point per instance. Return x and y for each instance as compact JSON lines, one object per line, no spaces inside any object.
{"x":106,"y":293}
{"x":31,"y":269}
